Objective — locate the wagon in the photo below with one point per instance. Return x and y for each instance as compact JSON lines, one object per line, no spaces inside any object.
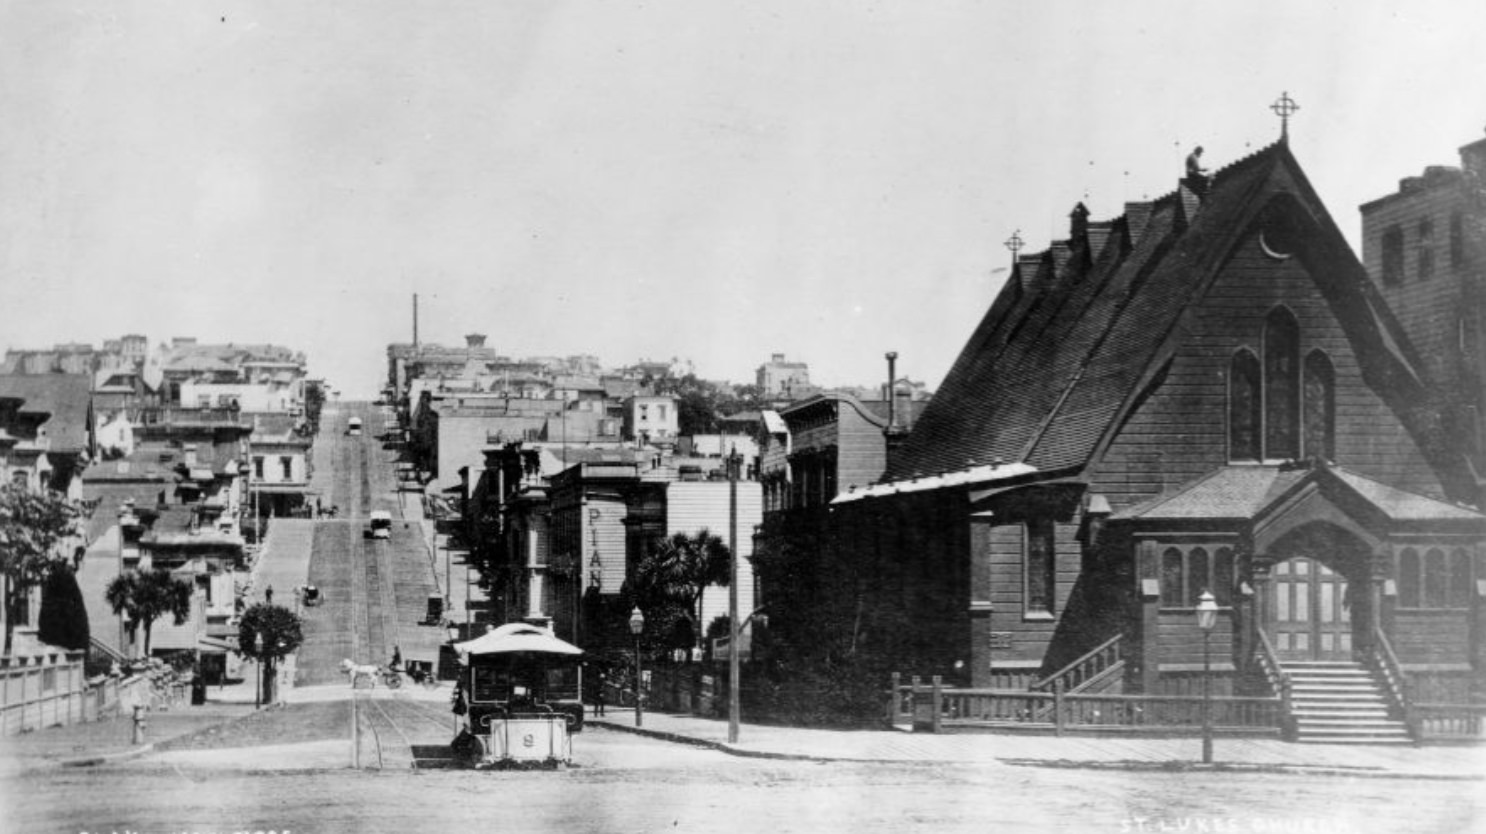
{"x":521,"y":688}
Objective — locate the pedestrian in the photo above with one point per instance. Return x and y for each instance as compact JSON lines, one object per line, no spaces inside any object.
{"x":268,"y":595}
{"x":599,"y":693}
{"x":397,"y":657}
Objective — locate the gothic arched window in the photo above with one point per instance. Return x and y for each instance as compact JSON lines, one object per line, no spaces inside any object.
{"x":1281,"y":385}
{"x":1408,"y":579}
{"x":1320,"y":406}
{"x":1243,"y":407}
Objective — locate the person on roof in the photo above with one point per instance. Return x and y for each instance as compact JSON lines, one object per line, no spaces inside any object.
{"x":1196,"y":179}
{"x":1194,"y":163}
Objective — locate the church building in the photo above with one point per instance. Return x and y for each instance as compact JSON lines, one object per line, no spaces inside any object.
{"x":1206,"y":394}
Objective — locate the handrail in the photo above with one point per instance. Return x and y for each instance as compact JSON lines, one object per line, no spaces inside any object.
{"x":1269,"y":662}
{"x":1392,"y":671}
{"x":106,"y":650}
{"x":1085,"y":669}
{"x":1279,"y":684}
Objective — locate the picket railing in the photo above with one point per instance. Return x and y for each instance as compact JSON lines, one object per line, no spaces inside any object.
{"x":1449,"y":722}
{"x":1095,"y":667}
{"x":934,"y":707}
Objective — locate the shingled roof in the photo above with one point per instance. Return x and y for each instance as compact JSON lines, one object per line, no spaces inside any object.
{"x":1079,"y":331}
{"x":66,"y":397}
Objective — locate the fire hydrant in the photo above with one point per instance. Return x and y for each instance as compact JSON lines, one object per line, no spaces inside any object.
{"x":139,"y":724}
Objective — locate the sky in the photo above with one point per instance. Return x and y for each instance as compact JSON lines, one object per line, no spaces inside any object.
{"x":715,"y":181}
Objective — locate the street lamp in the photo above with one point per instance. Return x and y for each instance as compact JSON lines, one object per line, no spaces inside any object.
{"x":637,"y":625}
{"x":1207,"y":617}
{"x":258,"y":653}
{"x":274,"y":669}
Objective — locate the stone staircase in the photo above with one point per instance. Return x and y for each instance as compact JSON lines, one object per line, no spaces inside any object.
{"x":1340,"y":703}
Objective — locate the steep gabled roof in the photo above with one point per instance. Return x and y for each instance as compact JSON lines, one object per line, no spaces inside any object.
{"x":1064,"y":353}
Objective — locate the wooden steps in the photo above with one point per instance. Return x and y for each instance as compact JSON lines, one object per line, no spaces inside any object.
{"x":1340,"y":703}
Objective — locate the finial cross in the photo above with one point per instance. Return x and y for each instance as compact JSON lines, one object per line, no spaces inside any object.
{"x":1015,"y":244}
{"x":1284,"y":107}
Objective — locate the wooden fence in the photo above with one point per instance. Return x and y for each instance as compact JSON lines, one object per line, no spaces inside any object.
{"x":934,"y":708}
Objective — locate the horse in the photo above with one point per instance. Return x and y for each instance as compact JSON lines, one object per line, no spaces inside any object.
{"x":350,"y":667}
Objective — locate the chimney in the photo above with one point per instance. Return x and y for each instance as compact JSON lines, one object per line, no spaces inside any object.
{"x":1078,"y":224}
{"x":1473,"y":157}
{"x":892,"y":396}
{"x":894,"y":434}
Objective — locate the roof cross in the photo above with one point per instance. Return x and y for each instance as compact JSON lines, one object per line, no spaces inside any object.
{"x":1284,"y":107}
{"x":1015,"y":244}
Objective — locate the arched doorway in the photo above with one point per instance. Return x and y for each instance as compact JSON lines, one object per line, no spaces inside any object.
{"x":1316,"y":577}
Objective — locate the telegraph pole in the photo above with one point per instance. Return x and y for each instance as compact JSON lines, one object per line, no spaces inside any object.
{"x":734,"y":630}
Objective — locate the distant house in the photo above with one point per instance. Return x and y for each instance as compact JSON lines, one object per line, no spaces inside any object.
{"x":279,"y":466}
{"x":52,"y":422}
{"x":651,"y":418}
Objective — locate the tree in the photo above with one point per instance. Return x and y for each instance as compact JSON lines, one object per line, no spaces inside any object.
{"x":144,"y":597}
{"x":676,"y":572}
{"x":267,"y":633}
{"x":64,"y":615}
{"x":314,"y":401}
{"x":32,"y":525}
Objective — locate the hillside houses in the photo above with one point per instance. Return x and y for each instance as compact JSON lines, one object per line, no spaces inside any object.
{"x":178,"y":455}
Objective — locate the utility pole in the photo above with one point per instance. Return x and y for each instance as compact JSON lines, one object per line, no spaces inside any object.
{"x":734,"y":631}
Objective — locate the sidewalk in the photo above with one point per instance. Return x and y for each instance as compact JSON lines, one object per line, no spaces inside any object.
{"x":1238,"y":754}
{"x":95,"y":742}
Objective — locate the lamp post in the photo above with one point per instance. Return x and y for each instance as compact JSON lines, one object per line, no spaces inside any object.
{"x":273,"y":673}
{"x":637,"y":625}
{"x":258,"y":652}
{"x":1207,"y":617}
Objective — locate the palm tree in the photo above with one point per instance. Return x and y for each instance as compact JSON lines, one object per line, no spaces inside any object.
{"x":144,"y":597}
{"x":679,"y":569}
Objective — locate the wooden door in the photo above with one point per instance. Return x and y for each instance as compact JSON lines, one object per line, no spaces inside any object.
{"x":1310,"y":617}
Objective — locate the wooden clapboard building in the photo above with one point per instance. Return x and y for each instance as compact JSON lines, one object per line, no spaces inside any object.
{"x":1205,"y":393}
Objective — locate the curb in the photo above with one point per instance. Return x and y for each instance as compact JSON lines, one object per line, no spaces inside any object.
{"x":105,"y":758}
{"x":1176,"y":766}
{"x":721,"y":746}
{"x":1172,"y":766}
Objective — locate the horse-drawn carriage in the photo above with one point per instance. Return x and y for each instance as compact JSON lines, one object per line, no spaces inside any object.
{"x":521,"y":691}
